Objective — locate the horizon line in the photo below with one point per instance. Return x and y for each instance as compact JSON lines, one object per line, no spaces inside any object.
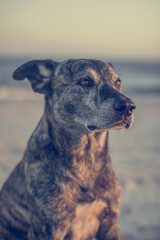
{"x":60,"y":57}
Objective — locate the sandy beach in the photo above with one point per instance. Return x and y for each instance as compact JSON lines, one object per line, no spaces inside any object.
{"x":135,"y":156}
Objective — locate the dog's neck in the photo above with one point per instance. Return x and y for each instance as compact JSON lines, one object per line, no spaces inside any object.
{"x":84,"y":159}
{"x":90,"y":149}
{"x":91,"y":156}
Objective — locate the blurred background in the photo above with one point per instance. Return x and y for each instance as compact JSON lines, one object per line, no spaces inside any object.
{"x":126,"y":33}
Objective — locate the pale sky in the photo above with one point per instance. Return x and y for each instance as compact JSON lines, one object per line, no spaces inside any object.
{"x":127,"y":29}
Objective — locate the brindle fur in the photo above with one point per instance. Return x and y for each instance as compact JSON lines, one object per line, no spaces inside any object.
{"x":65,"y":187}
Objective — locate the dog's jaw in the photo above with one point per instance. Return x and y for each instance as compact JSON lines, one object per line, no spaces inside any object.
{"x":125,"y":122}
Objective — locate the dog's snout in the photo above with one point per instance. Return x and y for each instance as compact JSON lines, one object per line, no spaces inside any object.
{"x":124,"y":106}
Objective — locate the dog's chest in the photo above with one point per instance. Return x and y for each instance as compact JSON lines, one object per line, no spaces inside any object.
{"x":91,"y":193}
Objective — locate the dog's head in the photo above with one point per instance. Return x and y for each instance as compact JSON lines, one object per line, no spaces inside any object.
{"x":81,"y":93}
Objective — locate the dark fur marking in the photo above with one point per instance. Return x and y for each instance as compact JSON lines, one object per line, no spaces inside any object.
{"x":70,"y":108}
{"x":83,"y":189}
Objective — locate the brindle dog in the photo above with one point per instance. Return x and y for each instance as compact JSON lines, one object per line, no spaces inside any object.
{"x":65,"y":187}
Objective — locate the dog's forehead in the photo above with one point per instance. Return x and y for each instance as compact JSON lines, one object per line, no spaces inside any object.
{"x":109,"y":73}
{"x":78,"y":68}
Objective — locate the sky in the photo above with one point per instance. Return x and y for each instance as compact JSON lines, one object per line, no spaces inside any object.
{"x":123,"y":29}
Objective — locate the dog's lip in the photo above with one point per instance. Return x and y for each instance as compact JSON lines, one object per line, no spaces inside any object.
{"x":120,"y":124}
{"x":92,"y":127}
{"x":128,"y":124}
{"x":124,"y":123}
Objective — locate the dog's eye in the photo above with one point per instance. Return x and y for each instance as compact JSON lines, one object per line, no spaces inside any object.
{"x":86,"y":82}
{"x":118,"y":83}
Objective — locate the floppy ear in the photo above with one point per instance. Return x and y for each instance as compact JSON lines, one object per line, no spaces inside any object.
{"x":38,"y":72}
{"x":111,"y":65}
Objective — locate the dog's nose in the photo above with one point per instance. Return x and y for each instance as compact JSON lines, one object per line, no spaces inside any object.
{"x":124,"y":106}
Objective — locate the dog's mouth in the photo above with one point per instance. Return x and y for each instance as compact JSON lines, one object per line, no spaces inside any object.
{"x":118,"y":125}
{"x":92,"y":127}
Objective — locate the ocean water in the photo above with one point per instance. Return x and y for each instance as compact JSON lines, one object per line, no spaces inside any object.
{"x":135,"y":152}
{"x":137,"y":76}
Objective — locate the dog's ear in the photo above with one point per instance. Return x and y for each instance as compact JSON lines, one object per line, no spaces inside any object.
{"x":111,"y":65}
{"x":38,"y":72}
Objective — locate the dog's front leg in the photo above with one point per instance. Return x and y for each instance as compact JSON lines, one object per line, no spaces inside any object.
{"x":41,"y":194}
{"x":42,"y":216}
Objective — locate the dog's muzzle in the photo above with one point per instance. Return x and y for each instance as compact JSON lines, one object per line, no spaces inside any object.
{"x":124,"y":108}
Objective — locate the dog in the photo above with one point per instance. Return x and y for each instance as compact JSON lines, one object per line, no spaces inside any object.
{"x":65,"y":187}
